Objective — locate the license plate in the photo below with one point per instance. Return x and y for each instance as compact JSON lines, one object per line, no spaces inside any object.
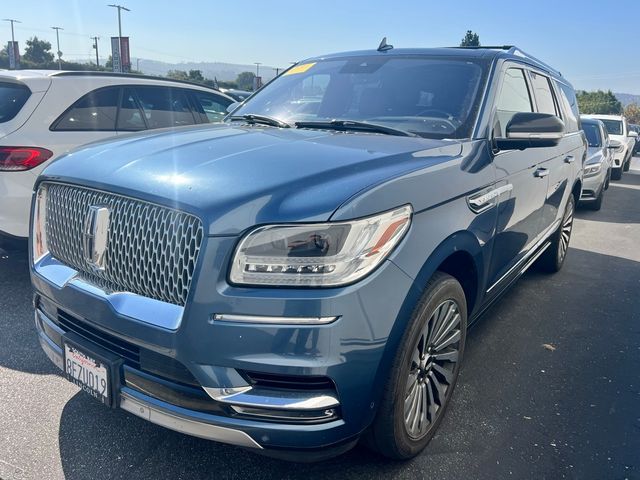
{"x":89,"y":373}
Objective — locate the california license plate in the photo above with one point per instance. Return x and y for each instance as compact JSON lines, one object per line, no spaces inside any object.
{"x":89,"y":373}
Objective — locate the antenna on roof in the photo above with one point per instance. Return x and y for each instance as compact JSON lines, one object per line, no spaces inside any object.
{"x":384,"y":46}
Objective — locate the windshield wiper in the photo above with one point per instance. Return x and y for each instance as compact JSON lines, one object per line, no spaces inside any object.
{"x":252,"y":118}
{"x":355,"y":125}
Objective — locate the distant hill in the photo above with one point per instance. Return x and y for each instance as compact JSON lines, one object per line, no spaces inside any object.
{"x":627,"y":98}
{"x":221,"y":71}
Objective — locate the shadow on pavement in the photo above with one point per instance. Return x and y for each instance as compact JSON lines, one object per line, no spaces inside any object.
{"x":620,"y":204}
{"x":520,"y":409}
{"x":19,"y":347}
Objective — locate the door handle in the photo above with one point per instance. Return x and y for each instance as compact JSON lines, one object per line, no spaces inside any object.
{"x":569,"y":159}
{"x":541,"y":172}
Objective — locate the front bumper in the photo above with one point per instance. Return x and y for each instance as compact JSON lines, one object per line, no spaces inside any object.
{"x":593,"y":185}
{"x":218,"y":357}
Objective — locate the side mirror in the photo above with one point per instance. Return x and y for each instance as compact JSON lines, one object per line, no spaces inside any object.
{"x":614,"y":143}
{"x":633,"y":134}
{"x":532,"y":130}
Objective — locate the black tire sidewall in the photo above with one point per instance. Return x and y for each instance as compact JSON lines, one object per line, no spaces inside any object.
{"x":391,"y":438}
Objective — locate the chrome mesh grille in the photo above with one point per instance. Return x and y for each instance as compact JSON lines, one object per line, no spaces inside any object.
{"x":151,"y":250}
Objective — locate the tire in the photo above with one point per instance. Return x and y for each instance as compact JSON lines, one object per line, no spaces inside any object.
{"x":424,"y":379}
{"x":627,"y":164}
{"x":616,"y":173}
{"x":597,"y":203}
{"x":553,"y":258}
{"x":608,"y":180}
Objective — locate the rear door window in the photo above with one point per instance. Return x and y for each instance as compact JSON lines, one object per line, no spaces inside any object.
{"x":12,"y":98}
{"x":212,"y":107}
{"x":97,"y":110}
{"x":130,"y":117}
{"x":543,"y":92}
{"x":570,"y":107}
{"x":165,"y":107}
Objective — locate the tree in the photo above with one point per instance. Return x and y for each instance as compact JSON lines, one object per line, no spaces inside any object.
{"x":38,"y":51}
{"x":177,"y":75}
{"x":470,"y":40}
{"x":196,"y":76}
{"x":632,"y":112}
{"x":599,"y":103}
{"x":245,"y":80}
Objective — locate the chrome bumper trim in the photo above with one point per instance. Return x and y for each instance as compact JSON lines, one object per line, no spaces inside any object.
{"x":186,"y":425}
{"x":147,"y":310}
{"x":276,"y":399}
{"x":261,"y":319}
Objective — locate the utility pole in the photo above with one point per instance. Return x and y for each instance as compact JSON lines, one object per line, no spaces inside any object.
{"x":95,"y":45}
{"x":57,"y":29}
{"x":277,"y":69}
{"x":257,"y":64}
{"x":13,"y":38}
{"x":119,"y":7}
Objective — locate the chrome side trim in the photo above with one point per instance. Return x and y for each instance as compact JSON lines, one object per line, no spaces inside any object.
{"x":233,"y":318}
{"x":484,"y":200}
{"x":532,"y":251}
{"x":278,"y":399}
{"x":148,"y":310}
{"x":186,"y":425}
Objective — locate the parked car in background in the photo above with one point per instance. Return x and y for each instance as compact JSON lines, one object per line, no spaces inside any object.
{"x":618,"y":129}
{"x":237,"y":95}
{"x":597,"y":167}
{"x":304,"y":275}
{"x":44,"y":114}
{"x":636,"y":128}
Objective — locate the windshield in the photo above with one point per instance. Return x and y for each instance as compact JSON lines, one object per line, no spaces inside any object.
{"x":592,"y":132}
{"x":614,"y":127}
{"x":12,"y":99}
{"x":430,"y":97}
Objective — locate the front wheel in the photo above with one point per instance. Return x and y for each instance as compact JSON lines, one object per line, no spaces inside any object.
{"x":424,"y":372}
{"x":616,"y":173}
{"x":554,"y":256}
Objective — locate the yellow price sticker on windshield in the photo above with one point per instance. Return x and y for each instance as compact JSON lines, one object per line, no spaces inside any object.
{"x":299,"y":68}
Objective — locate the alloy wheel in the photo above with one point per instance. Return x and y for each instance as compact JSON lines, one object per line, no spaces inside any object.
{"x":431,"y":373}
{"x":565,"y":233}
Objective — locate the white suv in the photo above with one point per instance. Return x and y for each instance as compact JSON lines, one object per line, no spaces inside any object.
{"x":44,"y":114}
{"x":618,"y":129}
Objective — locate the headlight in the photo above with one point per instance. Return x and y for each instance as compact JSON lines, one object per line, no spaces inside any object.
{"x":318,"y":255}
{"x":591,"y":170}
{"x":38,"y":228}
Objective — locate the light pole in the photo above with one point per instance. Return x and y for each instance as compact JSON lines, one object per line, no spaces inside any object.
{"x":57,"y":29}
{"x":95,"y":46}
{"x":119,"y":7}
{"x":257,"y":64}
{"x":13,"y":38}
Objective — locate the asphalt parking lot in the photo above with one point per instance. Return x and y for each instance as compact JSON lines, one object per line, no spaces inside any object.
{"x":550,"y":387}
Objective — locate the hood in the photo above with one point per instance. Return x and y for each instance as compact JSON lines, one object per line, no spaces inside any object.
{"x":236,"y":177}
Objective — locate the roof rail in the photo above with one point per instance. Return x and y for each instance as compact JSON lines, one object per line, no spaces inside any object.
{"x":91,"y":73}
{"x":521,"y":53}
{"x":489,"y":47}
{"x":513,"y":50}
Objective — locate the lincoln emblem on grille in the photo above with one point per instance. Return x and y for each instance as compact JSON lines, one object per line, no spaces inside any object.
{"x":96,"y":236}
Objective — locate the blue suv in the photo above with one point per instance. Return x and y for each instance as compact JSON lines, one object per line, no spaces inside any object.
{"x":303,"y":275}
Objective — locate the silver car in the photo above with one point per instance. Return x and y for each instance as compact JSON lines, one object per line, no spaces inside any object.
{"x":597,"y":167}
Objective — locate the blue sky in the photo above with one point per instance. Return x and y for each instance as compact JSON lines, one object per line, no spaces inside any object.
{"x":592,"y":46}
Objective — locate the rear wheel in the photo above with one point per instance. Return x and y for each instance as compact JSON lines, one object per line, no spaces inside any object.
{"x":554,"y":256}
{"x":597,"y":203}
{"x":424,"y":372}
{"x":627,"y":164}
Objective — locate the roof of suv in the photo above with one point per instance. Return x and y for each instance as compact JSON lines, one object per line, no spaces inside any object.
{"x":488,"y":52}
{"x":604,"y":117}
{"x":26,"y":75}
